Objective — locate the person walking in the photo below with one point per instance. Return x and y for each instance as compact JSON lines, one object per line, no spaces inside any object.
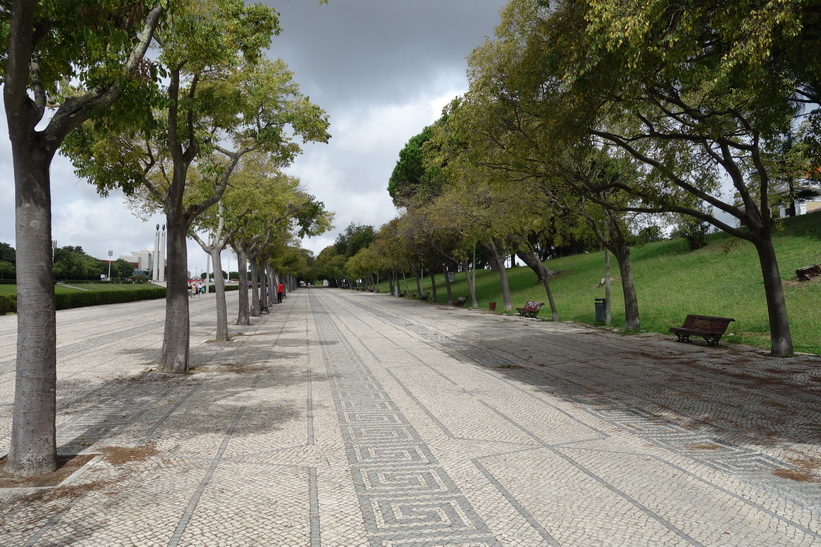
{"x":280,"y":290}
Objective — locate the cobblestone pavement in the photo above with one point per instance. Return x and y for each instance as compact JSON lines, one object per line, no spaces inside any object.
{"x":345,"y":418}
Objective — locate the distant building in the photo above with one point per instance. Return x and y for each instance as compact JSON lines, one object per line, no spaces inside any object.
{"x":806,"y":198}
{"x":141,"y":260}
{"x":806,"y":194}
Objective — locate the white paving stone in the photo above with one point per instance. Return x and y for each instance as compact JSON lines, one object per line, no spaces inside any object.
{"x":345,"y":418}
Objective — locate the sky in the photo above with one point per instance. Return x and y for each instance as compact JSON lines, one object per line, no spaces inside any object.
{"x":381,"y":69}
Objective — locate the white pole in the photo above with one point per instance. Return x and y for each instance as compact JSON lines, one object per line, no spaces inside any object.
{"x":161,"y":271}
{"x":208,"y":263}
{"x":155,"y":264}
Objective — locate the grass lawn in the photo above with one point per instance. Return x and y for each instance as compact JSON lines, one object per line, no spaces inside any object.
{"x":723,"y":279}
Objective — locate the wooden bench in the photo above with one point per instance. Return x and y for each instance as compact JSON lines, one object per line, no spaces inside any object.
{"x":531,"y":309}
{"x":424,"y":296}
{"x":402,"y":294}
{"x":263,"y":308}
{"x":708,"y":327}
{"x":460,"y":301}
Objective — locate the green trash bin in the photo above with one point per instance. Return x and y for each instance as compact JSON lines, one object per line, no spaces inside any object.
{"x":601,"y":310}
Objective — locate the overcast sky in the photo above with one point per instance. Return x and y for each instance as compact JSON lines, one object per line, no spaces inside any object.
{"x":382,"y":69}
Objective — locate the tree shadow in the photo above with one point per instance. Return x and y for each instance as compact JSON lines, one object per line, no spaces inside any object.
{"x":150,"y":398}
{"x":732,"y":395}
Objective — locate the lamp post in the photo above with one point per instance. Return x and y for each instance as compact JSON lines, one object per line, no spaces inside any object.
{"x":110,"y":254}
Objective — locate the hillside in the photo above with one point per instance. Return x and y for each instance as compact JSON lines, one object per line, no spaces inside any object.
{"x":722,"y":279}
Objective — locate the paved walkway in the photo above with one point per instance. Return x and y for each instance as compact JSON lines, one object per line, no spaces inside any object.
{"x":345,"y":418}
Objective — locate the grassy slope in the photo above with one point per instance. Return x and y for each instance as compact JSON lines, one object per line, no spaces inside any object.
{"x":722,"y":279}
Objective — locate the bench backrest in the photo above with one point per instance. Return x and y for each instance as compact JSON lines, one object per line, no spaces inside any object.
{"x":707,"y":323}
{"x":534,"y":304}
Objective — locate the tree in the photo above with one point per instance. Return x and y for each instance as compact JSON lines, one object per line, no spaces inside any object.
{"x":329,"y":265}
{"x":263,"y":211}
{"x":222,"y":101}
{"x":7,"y":259}
{"x":695,"y":93}
{"x":120,"y":268}
{"x":410,"y":183}
{"x":73,"y":263}
{"x":7,"y":270}
{"x":691,"y":117}
{"x":7,"y":253}
{"x":99,"y":46}
{"x":353,"y":238}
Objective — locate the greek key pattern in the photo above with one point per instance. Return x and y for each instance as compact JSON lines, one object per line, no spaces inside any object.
{"x":407,"y":499}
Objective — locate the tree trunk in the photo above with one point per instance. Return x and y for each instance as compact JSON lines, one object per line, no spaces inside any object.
{"x":608,"y":302}
{"x":244,"y":310}
{"x":177,"y":334}
{"x":255,"y":308}
{"x":781,"y":344}
{"x":265,"y":289}
{"x":542,"y":273}
{"x":448,"y":288}
{"x":497,"y":259}
{"x":621,"y":251}
{"x":419,"y":279}
{"x":219,"y":286}
{"x":471,"y":285}
{"x":33,"y":447}
{"x":433,"y":285}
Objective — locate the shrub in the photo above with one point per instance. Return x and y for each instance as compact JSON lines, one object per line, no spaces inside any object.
{"x":8,"y":304}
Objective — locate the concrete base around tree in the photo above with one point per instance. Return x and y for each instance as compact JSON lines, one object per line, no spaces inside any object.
{"x":348,"y":418}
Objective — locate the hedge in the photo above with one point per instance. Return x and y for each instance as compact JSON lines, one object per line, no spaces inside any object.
{"x":67,"y":301}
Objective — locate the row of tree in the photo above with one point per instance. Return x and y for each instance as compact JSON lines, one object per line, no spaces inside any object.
{"x":597,"y":118}
{"x":70,"y":262}
{"x":165,"y":101}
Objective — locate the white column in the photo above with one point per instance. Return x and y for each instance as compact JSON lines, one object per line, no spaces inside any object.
{"x":155,"y":258}
{"x":162,"y":255}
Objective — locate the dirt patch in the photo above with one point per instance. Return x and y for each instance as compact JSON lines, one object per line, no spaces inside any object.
{"x":149,"y":377}
{"x":241,"y":369}
{"x":120,"y":455}
{"x":802,"y":470}
{"x":66,"y":465}
{"x":115,"y":455}
{"x":506,"y":365}
{"x":796,"y":283}
{"x":705,"y":446}
{"x":799,"y":475}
